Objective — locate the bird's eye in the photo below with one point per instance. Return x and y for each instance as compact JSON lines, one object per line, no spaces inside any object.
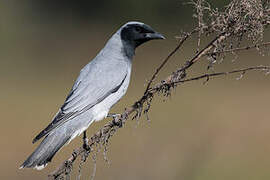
{"x":138,"y":29}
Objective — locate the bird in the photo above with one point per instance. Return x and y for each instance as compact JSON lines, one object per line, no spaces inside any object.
{"x":101,"y":84}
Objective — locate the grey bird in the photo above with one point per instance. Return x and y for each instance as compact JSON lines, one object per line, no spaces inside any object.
{"x":100,"y":85}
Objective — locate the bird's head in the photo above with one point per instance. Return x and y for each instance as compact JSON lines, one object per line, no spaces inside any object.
{"x":137,"y":33}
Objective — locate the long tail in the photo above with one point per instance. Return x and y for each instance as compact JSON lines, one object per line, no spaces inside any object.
{"x":56,"y":139}
{"x":47,"y":149}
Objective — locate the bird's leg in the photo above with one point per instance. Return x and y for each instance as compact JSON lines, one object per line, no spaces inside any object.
{"x":85,"y":141}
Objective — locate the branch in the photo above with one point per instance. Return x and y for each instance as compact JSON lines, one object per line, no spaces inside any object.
{"x":181,"y":72}
{"x":238,"y":49}
{"x":183,"y":39}
{"x":242,"y":71}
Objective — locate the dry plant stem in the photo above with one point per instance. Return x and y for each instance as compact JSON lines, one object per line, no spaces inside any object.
{"x":66,"y":167}
{"x":187,"y":35}
{"x":180,"y":73}
{"x":239,"y":49}
{"x":200,"y":21}
{"x":207,"y":76}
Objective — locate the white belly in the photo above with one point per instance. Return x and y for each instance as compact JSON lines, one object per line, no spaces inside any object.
{"x":101,"y":110}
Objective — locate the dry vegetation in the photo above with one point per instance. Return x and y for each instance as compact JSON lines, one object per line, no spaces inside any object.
{"x":240,"y":22}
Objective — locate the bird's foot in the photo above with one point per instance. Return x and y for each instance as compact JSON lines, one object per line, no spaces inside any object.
{"x":116,"y":118}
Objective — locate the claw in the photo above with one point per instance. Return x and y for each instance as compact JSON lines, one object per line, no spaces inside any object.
{"x":113,"y":115}
{"x":115,"y":119}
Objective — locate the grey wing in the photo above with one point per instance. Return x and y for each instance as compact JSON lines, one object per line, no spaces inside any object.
{"x":95,"y":82}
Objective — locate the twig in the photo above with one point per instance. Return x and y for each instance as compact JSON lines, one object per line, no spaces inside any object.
{"x":183,"y":39}
{"x":238,"y":49}
{"x":200,"y":14}
{"x":181,"y":72}
{"x":258,"y":68}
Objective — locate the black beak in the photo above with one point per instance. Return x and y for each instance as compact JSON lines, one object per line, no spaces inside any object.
{"x":154,"y":35}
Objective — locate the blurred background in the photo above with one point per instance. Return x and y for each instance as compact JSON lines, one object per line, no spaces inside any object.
{"x":220,"y":130}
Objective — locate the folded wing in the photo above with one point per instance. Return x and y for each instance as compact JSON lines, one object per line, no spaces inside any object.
{"x":95,"y":82}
